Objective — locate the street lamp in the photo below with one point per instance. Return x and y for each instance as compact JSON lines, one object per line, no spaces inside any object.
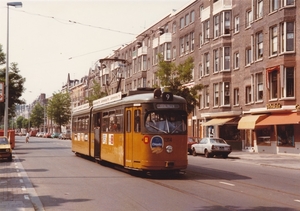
{"x":9,"y":4}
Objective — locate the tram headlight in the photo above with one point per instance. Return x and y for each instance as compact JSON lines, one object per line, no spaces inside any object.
{"x":169,"y":149}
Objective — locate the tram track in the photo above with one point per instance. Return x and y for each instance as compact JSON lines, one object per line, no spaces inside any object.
{"x":260,"y":193}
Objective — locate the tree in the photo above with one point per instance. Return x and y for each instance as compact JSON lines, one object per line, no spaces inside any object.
{"x":174,"y":77}
{"x":20,"y":122}
{"x":37,"y":115}
{"x":59,"y":108}
{"x":16,"y":86}
{"x":96,"y":92}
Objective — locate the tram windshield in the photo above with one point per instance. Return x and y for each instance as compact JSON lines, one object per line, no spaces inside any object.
{"x":165,"y":122}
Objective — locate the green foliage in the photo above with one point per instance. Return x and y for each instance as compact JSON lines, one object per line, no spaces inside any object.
{"x":174,"y":77}
{"x":37,"y":115}
{"x":25,"y":123}
{"x":20,"y":122}
{"x":59,"y":108}
{"x":96,"y":93}
{"x":16,"y":86}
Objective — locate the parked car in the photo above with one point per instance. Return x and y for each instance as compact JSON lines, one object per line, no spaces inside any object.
{"x":211,"y":146}
{"x":66,"y":135}
{"x":54,"y":135}
{"x":41,"y":134}
{"x":47,"y":135}
{"x":5,"y":149}
{"x":190,"y":142}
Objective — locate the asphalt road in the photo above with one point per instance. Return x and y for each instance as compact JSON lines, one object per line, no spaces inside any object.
{"x":63,"y":181}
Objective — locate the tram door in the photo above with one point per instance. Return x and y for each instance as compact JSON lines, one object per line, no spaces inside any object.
{"x":97,"y":124}
{"x":133,"y":138}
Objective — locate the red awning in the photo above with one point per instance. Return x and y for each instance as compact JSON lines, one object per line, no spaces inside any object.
{"x":280,"y":119}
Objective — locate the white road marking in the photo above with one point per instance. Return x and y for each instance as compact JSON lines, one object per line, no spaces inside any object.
{"x":226,"y":183}
{"x":23,"y":188}
{"x":26,"y":197}
{"x":297,"y":200}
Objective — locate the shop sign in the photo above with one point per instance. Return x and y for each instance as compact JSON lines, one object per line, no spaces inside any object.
{"x":273,"y":105}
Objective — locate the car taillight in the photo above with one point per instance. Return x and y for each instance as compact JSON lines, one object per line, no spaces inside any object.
{"x":146,"y":139}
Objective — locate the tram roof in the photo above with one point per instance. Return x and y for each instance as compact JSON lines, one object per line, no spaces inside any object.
{"x":130,"y":99}
{"x":138,"y":98}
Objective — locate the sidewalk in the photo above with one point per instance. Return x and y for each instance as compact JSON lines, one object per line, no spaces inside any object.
{"x":288,"y":161}
{"x":16,"y":191}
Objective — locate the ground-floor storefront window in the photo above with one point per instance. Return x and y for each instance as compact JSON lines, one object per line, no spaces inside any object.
{"x":263,"y":136}
{"x":285,"y":135}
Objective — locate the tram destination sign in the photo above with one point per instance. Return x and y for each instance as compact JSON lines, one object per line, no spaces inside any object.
{"x":164,"y":105}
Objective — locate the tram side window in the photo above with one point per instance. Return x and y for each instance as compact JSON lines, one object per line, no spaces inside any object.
{"x":128,"y":128}
{"x":137,"y":120}
{"x":105,"y":122}
{"x":96,"y":121}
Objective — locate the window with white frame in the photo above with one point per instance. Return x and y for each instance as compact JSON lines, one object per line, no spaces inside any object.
{"x":248,"y":18}
{"x":192,"y":16}
{"x":200,"y":69}
{"x":174,"y":52}
{"x":288,"y":86}
{"x":273,"y":84}
{"x":227,"y":22}
{"x":205,"y":96}
{"x":181,"y":40}
{"x":273,"y":40}
{"x":226,"y":61}
{"x":274,"y":5}
{"x":236,"y":24}
{"x":155,"y":56}
{"x":192,"y":37}
{"x":248,"y":56}
{"x":236,"y":97}
{"x":259,"y":45}
{"x":287,"y":37}
{"x":206,"y":63}
{"x":225,"y":93}
{"x":289,"y":2}
{"x":236,"y":61}
{"x":216,"y":60}
{"x":216,"y":94}
{"x":181,"y":22}
{"x":259,"y":9}
{"x":201,"y":101}
{"x":206,"y":30}
{"x":216,"y":26}
{"x":187,"y":43}
{"x":187,"y":19}
{"x":168,"y":51}
{"x":259,"y":87}
{"x":174,"y":27}
{"x":248,"y":96}
{"x":144,"y":62}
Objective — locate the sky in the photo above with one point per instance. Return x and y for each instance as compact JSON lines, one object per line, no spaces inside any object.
{"x":50,"y":39}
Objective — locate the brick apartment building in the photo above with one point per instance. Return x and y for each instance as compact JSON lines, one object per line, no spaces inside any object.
{"x":245,"y":55}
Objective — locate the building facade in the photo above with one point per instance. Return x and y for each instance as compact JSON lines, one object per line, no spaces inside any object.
{"x":245,"y":56}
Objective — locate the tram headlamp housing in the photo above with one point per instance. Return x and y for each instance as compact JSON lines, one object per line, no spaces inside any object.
{"x":169,"y":149}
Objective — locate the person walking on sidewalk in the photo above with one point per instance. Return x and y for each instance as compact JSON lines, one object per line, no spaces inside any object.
{"x":27,"y":137}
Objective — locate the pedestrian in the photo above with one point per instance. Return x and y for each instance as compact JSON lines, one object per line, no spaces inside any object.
{"x":27,"y":137}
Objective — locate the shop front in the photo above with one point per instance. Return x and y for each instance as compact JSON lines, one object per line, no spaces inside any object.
{"x":246,"y":126}
{"x":226,"y":128}
{"x":279,"y":133}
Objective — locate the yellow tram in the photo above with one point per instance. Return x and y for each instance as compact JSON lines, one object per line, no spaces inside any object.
{"x":141,"y":130}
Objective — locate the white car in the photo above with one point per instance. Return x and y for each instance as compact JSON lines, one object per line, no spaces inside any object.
{"x":210,"y":146}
